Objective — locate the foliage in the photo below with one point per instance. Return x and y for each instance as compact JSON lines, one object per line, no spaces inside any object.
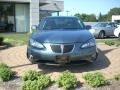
{"x":101,"y":17}
{"x":95,"y":79}
{"x":1,"y":40}
{"x":5,"y":72}
{"x":86,"y":17}
{"x":31,"y":75}
{"x":117,"y":77}
{"x":42,"y":82}
{"x":67,"y":80}
{"x":110,"y":43}
{"x":2,"y":65}
{"x":15,"y":39}
{"x":35,"y":81}
{"x":113,"y":11}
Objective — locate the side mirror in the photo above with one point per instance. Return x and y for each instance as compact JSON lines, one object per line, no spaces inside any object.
{"x":88,"y":27}
{"x":34,"y":28}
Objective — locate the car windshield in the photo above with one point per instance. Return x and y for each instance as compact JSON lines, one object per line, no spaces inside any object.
{"x":62,"y":23}
{"x":100,"y":25}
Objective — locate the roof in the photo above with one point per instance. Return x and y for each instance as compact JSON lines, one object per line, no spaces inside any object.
{"x":60,"y":17}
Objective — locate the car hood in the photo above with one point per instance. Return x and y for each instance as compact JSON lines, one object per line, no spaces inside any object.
{"x":62,"y":36}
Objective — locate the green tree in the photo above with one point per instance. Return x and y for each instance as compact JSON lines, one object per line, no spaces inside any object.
{"x":113,"y":11}
{"x":86,"y":17}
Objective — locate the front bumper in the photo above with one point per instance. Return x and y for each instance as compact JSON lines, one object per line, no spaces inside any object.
{"x":48,"y":56}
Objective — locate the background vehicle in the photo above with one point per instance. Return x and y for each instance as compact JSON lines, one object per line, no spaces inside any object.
{"x":61,"y":40}
{"x":103,"y":29}
{"x":117,"y":31}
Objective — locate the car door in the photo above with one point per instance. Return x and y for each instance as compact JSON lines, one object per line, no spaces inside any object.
{"x":109,"y":29}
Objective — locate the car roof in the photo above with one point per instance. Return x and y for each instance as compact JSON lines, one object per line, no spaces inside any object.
{"x":105,"y":22}
{"x":61,"y":17}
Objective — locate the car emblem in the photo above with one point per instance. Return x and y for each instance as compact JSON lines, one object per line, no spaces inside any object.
{"x":62,"y":48}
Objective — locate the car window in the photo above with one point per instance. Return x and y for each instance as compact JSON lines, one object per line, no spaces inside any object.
{"x":62,"y":23}
{"x":41,"y":24}
{"x":101,"y":25}
{"x":112,"y":24}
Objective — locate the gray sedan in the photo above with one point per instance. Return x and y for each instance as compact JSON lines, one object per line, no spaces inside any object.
{"x":61,"y":40}
{"x":103,"y":29}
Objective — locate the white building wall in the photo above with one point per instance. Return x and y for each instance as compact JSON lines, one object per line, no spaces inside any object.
{"x":115,"y":17}
{"x":34,"y":13}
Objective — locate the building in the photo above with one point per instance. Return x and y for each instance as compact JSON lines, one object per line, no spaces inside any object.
{"x":20,"y":15}
{"x":116,"y":19}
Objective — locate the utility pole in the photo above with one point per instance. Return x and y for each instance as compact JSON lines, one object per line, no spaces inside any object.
{"x":67,"y":12}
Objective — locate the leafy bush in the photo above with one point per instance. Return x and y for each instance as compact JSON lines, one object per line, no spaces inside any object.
{"x":95,"y":79}
{"x":35,"y":81}
{"x":2,"y":65}
{"x":110,"y":43}
{"x":31,"y":75}
{"x":117,"y":77}
{"x":5,"y":72}
{"x":1,"y":40}
{"x":67,"y":80}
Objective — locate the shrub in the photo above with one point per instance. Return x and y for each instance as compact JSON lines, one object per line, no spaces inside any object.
{"x":5,"y":72}
{"x":2,"y":65}
{"x":35,"y":81}
{"x":110,"y":43}
{"x":1,"y":40}
{"x":31,"y":75}
{"x":117,"y":77}
{"x":67,"y":80}
{"x":95,"y":79}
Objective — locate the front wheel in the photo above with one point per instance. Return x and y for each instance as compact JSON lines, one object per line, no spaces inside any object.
{"x":41,"y":65}
{"x":30,"y":58}
{"x":94,"y":58}
{"x":101,"y":35}
{"x":119,"y":36}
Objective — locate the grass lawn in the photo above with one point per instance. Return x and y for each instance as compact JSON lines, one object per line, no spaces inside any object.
{"x":15,"y":39}
{"x":116,"y":41}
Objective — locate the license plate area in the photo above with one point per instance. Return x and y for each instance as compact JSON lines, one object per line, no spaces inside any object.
{"x":62,"y":59}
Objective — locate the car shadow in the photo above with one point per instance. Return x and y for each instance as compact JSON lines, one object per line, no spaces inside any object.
{"x":5,"y":46}
{"x":102,"y":62}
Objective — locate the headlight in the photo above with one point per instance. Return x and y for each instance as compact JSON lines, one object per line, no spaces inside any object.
{"x":92,"y":31}
{"x":36,"y":44}
{"x":90,"y":43}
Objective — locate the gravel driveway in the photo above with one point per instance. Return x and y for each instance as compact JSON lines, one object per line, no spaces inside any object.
{"x":108,"y":62}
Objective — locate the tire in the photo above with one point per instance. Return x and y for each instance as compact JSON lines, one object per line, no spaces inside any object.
{"x":31,"y":59}
{"x":40,"y":65}
{"x":101,"y":35}
{"x":119,"y":36}
{"x":94,"y":59}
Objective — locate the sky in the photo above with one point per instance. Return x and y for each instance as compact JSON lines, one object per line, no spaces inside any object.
{"x":88,"y":6}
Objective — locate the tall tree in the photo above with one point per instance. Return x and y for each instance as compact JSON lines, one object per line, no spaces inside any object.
{"x":113,"y":11}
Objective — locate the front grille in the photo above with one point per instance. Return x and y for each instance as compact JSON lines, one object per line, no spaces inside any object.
{"x":62,"y":48}
{"x":56,"y":48}
{"x":67,"y":48}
